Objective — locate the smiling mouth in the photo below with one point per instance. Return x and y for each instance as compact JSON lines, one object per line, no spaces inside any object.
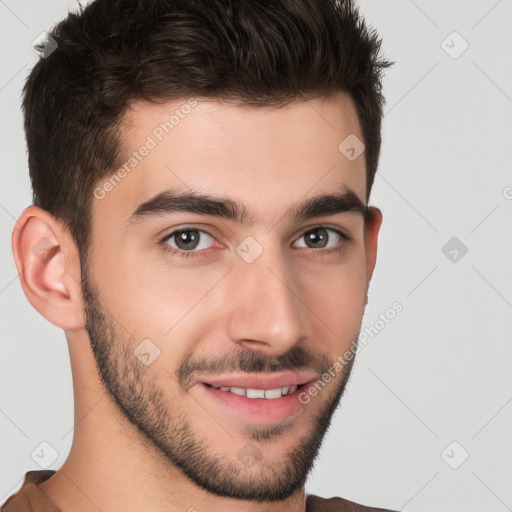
{"x":263,"y":406}
{"x":268,"y":394}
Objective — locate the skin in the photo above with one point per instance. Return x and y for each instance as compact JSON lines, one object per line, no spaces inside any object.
{"x":145,"y":438}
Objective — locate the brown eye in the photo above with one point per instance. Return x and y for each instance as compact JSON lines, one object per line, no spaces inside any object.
{"x":189,"y":239}
{"x":320,"y":237}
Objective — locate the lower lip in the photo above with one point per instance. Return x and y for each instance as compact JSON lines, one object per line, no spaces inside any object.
{"x":258,"y":409}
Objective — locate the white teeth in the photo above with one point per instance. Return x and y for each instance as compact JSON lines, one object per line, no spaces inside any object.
{"x":260,"y":393}
{"x":255,"y":393}
{"x":238,"y":391}
{"x":274,"y":393}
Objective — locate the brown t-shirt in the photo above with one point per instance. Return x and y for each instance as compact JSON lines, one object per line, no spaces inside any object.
{"x":31,"y":499}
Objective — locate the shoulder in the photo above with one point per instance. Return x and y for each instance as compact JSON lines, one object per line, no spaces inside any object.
{"x":29,"y":497}
{"x":336,"y":504}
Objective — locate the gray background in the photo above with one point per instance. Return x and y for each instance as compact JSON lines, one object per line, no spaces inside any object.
{"x":439,"y":372}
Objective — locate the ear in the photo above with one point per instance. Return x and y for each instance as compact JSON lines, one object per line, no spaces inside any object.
{"x":48,"y":266}
{"x":371,"y":233}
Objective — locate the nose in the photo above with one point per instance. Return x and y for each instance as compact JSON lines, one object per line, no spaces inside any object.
{"x":266,"y":311}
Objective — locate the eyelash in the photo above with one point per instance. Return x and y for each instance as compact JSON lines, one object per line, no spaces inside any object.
{"x":194,"y":253}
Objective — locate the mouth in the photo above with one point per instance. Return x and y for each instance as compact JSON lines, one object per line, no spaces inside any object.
{"x":268,"y":394}
{"x":261,"y":399}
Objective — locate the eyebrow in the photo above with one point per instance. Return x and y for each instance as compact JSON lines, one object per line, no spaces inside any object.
{"x":172,"y":201}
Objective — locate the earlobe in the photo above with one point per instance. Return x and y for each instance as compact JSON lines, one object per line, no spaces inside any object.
{"x":48,"y":267}
{"x":372,"y":228}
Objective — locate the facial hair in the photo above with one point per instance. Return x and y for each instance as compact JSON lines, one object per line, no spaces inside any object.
{"x":149,"y":406}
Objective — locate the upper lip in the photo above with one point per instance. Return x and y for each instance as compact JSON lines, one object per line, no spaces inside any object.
{"x":263,"y":381}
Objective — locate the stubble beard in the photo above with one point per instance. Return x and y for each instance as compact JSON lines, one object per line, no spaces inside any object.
{"x":149,"y":407}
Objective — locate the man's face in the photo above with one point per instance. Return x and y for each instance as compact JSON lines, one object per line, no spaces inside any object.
{"x":226,"y":302}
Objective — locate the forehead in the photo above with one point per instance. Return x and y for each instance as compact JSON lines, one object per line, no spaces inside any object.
{"x":265,"y":158}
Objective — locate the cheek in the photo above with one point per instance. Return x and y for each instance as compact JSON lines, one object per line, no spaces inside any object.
{"x":337,"y":298}
{"x":168,"y":305}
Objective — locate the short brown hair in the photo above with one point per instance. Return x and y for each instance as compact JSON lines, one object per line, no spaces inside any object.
{"x":253,"y":52}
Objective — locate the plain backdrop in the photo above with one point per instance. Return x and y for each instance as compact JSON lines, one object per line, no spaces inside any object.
{"x":426,"y":423}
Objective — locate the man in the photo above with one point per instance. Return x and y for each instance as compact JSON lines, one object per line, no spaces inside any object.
{"x":201,"y":232}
